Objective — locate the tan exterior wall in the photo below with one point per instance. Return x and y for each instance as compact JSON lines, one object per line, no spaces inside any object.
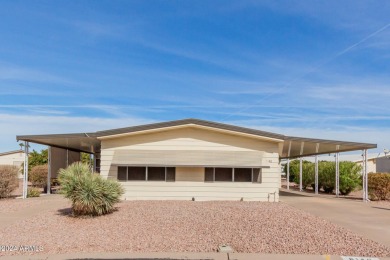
{"x":374,"y":165}
{"x":371,"y":165}
{"x":181,"y":144}
{"x":190,"y":174}
{"x":15,"y":159}
{"x":201,"y":191}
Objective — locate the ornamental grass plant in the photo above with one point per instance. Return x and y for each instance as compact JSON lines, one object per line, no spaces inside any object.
{"x":90,"y":194}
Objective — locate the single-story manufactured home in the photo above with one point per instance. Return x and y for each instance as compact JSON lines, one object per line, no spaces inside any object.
{"x":190,"y":158}
{"x":15,"y":158}
{"x":377,"y":163}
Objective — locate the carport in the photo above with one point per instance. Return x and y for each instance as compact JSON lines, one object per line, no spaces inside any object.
{"x":298,"y":147}
{"x":63,"y":150}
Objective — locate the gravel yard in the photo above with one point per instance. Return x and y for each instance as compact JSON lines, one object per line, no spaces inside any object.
{"x":15,"y":205}
{"x":186,"y":226}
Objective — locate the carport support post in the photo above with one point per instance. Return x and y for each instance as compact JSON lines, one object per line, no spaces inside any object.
{"x":365,"y":176}
{"x":300,"y":167}
{"x":300,"y":174}
{"x":93,"y":163}
{"x":337,"y":175}
{"x":316,"y":175}
{"x":25,"y":170}
{"x":288,"y":166}
{"x":288,"y":174}
{"x":48,"y":170}
{"x":316,"y":170}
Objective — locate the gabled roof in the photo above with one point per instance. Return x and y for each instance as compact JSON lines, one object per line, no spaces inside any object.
{"x":190,"y":121}
{"x":11,"y":152}
{"x":292,"y":147}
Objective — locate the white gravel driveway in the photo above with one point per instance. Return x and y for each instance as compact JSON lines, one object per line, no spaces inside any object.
{"x":186,"y":226}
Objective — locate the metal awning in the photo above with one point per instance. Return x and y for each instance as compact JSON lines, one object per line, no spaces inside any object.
{"x":294,"y":147}
{"x":80,"y":142}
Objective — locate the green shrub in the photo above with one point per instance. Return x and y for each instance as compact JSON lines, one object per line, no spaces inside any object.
{"x":8,"y":180}
{"x":379,"y":186}
{"x":38,"y":175}
{"x":294,"y":170}
{"x":327,"y":176}
{"x":90,"y":194}
{"x":33,"y":192}
{"x":350,"y":177}
{"x":307,"y":174}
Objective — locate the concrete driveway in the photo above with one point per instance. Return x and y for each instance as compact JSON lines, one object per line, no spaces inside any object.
{"x":370,"y":219}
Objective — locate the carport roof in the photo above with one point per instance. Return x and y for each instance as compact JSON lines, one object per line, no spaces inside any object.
{"x":81,"y":142}
{"x":291,"y":147}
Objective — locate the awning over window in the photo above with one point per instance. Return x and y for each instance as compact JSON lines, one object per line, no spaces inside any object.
{"x":188,"y":158}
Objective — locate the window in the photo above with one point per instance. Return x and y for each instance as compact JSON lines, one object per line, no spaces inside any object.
{"x":136,"y":173}
{"x":171,"y":174}
{"x":243,"y":174}
{"x":233,"y":175}
{"x":144,"y":173}
{"x":122,"y":173}
{"x":156,"y":173}
{"x":257,"y":175}
{"x":209,"y":175}
{"x":223,"y":174}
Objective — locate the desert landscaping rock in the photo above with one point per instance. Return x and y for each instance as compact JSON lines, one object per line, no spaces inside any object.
{"x":186,"y":226}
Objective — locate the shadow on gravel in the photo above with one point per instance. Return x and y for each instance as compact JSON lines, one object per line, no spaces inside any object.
{"x":381,"y":208}
{"x":65,"y":212}
{"x":292,"y":194}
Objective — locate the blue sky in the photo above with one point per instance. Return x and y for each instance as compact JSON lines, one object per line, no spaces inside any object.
{"x":305,"y":68}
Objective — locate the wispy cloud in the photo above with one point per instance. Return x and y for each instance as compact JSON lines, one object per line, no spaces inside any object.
{"x":12,"y":72}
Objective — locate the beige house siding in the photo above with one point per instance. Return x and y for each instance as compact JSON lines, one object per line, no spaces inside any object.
{"x":15,"y":159}
{"x":192,"y":146}
{"x":198,"y":190}
{"x":371,"y":165}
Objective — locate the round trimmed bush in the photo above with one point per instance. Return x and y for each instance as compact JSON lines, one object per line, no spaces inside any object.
{"x":38,"y":175}
{"x":8,"y":180}
{"x":90,"y":194}
{"x":350,"y":177}
{"x":33,"y":192}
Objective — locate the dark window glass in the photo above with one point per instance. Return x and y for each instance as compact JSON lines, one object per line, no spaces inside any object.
{"x":156,"y":173}
{"x":223,"y":174}
{"x":171,"y":173}
{"x":137,"y":173}
{"x":209,"y":174}
{"x":257,"y":175}
{"x":243,"y":174}
{"x":98,"y":165}
{"x":122,"y":173}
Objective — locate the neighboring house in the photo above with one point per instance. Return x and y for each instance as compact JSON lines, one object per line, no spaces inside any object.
{"x":15,"y":158}
{"x":188,"y":158}
{"x":377,"y":163}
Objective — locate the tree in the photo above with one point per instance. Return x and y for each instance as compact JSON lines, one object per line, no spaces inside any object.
{"x":38,"y":158}
{"x":86,"y":158}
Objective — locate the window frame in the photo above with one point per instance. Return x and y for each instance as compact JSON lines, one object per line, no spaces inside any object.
{"x":233,"y":175}
{"x":173,"y":173}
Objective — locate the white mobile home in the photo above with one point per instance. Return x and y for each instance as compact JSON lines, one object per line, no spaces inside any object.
{"x":188,"y":158}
